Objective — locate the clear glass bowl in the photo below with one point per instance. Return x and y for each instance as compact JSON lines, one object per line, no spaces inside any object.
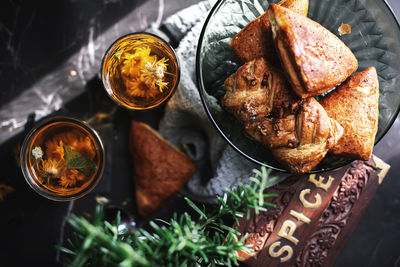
{"x":374,"y":40}
{"x":47,"y":129}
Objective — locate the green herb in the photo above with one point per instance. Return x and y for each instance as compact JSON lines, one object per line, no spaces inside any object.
{"x":182,"y":241}
{"x":74,"y":160}
{"x":118,"y":54}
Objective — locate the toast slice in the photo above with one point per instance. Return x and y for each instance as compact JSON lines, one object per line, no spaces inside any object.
{"x":315,"y":60}
{"x":255,"y":40}
{"x":160,"y":168}
{"x":354,"y":105}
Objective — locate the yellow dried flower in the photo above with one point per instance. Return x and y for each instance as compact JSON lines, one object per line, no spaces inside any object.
{"x":132,"y":63}
{"x":71,"y":177}
{"x":139,"y":88}
{"x":54,"y":148}
{"x":51,"y":167}
{"x":143,"y":75}
{"x":153,"y":73}
{"x":73,"y":139}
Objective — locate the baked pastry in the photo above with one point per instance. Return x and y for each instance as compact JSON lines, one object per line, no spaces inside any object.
{"x":160,"y":168}
{"x":298,"y":131}
{"x":301,"y":138}
{"x":254,"y":90}
{"x":255,"y":40}
{"x":354,"y":104}
{"x":314,"y":59}
{"x":274,"y":132}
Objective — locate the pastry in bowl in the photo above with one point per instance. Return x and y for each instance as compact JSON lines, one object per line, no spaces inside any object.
{"x":160,"y":168}
{"x":314,"y":59}
{"x":316,"y":134}
{"x":301,"y":138}
{"x":254,"y":90}
{"x":255,"y":40}
{"x":298,"y":131}
{"x":354,"y":104}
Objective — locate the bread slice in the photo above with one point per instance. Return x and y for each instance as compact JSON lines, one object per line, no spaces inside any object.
{"x":160,"y":168}
{"x":354,"y":105}
{"x":315,"y":60}
{"x":255,"y":40}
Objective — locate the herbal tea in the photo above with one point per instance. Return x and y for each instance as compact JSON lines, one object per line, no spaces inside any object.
{"x":64,"y":158}
{"x":140,"y":71}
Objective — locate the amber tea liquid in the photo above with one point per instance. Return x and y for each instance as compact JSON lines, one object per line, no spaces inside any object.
{"x":47,"y":162}
{"x":139,"y":71}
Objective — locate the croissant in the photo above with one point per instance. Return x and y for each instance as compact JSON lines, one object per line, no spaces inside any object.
{"x":298,"y":131}
{"x":314,"y":59}
{"x":299,"y":140}
{"x":354,"y":105}
{"x":254,"y":90}
{"x":255,"y":40}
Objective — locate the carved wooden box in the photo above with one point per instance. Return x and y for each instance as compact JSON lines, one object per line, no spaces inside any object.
{"x":314,"y":216}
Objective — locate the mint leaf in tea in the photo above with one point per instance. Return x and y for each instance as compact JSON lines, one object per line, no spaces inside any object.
{"x":64,"y":158}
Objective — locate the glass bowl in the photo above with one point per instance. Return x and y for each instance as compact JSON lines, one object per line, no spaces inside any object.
{"x":374,"y":40}
{"x":140,"y":71}
{"x":62,"y":158}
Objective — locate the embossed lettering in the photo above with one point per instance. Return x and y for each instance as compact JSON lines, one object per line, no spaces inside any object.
{"x":287,"y":230}
{"x":280,"y":251}
{"x":300,"y":216}
{"x":319,"y":182}
{"x":383,"y":166}
{"x":307,"y":204}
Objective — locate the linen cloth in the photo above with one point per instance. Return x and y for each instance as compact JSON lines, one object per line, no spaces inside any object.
{"x":186,"y":124}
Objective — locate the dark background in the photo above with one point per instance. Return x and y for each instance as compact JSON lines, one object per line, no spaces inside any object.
{"x":38,"y":36}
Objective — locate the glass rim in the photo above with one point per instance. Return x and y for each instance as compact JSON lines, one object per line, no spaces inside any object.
{"x":178,"y":74}
{"x":202,"y":91}
{"x":25,"y":153}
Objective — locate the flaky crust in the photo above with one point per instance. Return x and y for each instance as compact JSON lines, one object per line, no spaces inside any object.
{"x":298,"y":131}
{"x":305,"y":158}
{"x":314,"y":59}
{"x":254,"y":90}
{"x":354,"y":105}
{"x":314,"y":132}
{"x":255,"y":40}
{"x":160,"y":169}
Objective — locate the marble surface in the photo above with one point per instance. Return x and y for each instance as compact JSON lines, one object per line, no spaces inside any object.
{"x":50,"y":53}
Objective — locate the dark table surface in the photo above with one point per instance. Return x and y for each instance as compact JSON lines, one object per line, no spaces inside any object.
{"x":40,"y":38}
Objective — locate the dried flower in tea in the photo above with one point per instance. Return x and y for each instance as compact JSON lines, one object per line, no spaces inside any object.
{"x":140,"y":71}
{"x":153,"y":73}
{"x":65,"y":160}
{"x":37,"y":152}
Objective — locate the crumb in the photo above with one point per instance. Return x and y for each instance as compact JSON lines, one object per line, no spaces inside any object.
{"x":344,"y":29}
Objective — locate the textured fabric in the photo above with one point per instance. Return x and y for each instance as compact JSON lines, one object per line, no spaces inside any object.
{"x":187,"y":125}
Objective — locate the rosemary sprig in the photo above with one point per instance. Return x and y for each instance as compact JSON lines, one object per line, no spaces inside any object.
{"x":206,"y":241}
